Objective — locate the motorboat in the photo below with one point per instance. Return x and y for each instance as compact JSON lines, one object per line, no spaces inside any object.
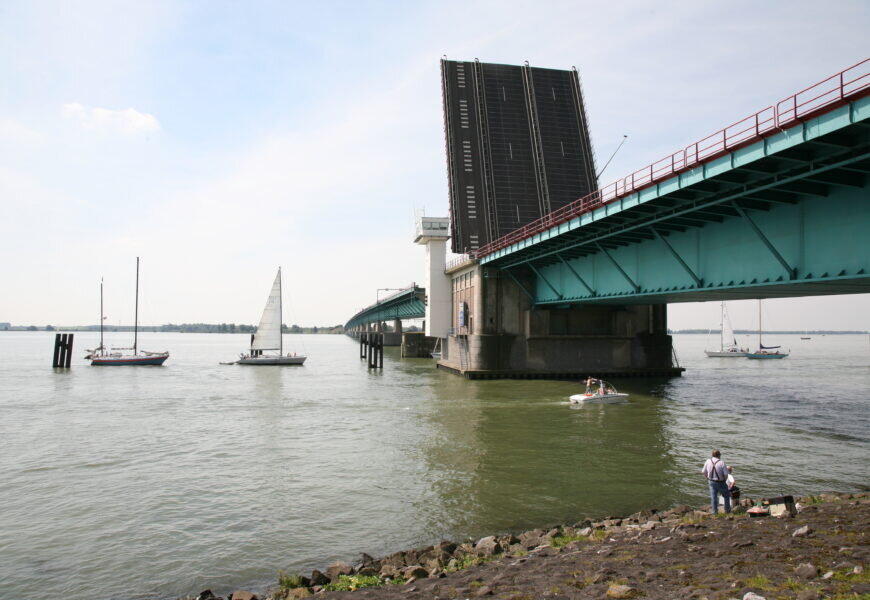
{"x":604,"y":393}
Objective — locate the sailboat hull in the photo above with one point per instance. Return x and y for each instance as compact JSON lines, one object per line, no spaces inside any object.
{"x":765,"y":355}
{"x":272,"y":360}
{"x":725,"y":354}
{"x":130,"y":361}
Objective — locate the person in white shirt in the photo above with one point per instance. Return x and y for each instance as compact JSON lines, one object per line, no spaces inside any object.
{"x":716,"y":472}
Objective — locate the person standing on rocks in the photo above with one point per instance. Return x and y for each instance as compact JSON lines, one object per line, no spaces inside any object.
{"x":716,"y":472}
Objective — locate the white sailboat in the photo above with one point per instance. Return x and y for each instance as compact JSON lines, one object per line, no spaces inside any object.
{"x":267,"y":345}
{"x":764,"y":352}
{"x":728,"y":347}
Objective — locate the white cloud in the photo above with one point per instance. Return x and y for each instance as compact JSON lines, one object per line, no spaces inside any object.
{"x":128,"y":121}
{"x":15,"y":133}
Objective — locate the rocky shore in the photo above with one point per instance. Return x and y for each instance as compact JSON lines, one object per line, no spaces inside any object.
{"x":683,"y":552}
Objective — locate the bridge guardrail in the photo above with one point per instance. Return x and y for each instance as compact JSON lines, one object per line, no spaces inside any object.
{"x":818,"y":98}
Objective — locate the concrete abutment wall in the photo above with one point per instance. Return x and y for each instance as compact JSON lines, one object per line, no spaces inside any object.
{"x":504,"y":334}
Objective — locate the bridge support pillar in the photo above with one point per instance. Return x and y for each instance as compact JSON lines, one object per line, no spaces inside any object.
{"x":501,"y":334}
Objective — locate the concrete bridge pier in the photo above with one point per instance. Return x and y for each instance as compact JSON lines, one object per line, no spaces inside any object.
{"x":394,"y":337}
{"x":499,"y":333}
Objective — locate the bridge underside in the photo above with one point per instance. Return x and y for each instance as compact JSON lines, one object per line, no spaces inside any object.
{"x":786,"y":216}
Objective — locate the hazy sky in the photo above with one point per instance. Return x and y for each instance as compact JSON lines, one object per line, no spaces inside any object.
{"x":218,"y":140}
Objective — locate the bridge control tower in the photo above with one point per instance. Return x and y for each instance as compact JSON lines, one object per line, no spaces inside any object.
{"x":433,"y":232}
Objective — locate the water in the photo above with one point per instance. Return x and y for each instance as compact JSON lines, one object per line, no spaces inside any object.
{"x":156,"y":482}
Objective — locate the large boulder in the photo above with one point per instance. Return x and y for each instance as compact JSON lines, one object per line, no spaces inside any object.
{"x":488,"y":546}
{"x":337,"y":569}
{"x":415,"y":572}
{"x":318,"y":578}
{"x":390,"y":572}
{"x":397,"y":559}
{"x":531,"y":539}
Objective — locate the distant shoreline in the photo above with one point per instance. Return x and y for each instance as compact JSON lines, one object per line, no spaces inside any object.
{"x":338,"y":329}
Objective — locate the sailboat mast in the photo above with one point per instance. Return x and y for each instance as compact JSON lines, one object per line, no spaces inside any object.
{"x":136,"y":316}
{"x":280,"y":316}
{"x":722,"y":328}
{"x":101,"y":314}
{"x":759,"y":323}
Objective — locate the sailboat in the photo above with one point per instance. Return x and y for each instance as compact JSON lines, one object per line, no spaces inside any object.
{"x":763,"y":351}
{"x":727,"y":342}
{"x":107,"y":357}
{"x":268,"y":338}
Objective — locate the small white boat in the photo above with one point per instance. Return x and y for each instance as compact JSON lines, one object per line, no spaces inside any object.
{"x":268,"y":339}
{"x":728,"y":347}
{"x":605,"y":393}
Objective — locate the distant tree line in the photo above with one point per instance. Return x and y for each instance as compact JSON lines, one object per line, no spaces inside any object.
{"x":182,"y":328}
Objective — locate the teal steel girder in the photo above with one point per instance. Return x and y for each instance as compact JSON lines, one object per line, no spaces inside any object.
{"x":785,"y":216}
{"x":406,"y":304}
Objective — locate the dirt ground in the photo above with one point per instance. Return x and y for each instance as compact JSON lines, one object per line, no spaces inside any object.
{"x":675,"y":554}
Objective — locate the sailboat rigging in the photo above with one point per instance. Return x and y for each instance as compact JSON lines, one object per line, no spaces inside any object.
{"x":104,"y":357}
{"x":763,"y":351}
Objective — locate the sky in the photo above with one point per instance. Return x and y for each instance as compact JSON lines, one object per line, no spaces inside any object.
{"x":220,"y":140}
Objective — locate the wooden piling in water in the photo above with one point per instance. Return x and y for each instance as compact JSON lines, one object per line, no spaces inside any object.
{"x":63,"y":345}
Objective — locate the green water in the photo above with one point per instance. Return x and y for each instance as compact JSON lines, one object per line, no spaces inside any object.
{"x":159,"y":482}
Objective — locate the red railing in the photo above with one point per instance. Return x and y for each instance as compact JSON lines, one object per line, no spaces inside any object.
{"x":457,"y":262}
{"x":823,"y":96}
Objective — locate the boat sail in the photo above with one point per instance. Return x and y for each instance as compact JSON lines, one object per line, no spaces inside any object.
{"x":269,"y":339}
{"x":728,"y":346}
{"x":764,"y":352}
{"x":105,"y":357}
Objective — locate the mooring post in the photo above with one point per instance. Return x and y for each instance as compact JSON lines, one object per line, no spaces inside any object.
{"x":63,"y":345}
{"x":381,"y":350}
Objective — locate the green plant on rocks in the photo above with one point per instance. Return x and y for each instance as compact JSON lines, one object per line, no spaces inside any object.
{"x":468,"y":560}
{"x":349,"y":583}
{"x":563,"y":540}
{"x":289,"y":582}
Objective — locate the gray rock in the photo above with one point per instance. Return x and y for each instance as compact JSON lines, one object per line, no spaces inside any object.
{"x":806,"y":571}
{"x":337,"y":569}
{"x":621,"y":591}
{"x":484,"y":591}
{"x":531,"y":539}
{"x":828,"y":575}
{"x":318,"y":578}
{"x":488,"y":546}
{"x":807,"y":595}
{"x":448,"y":547}
{"x":586,"y":531}
{"x":802,"y":531}
{"x":205,"y":595}
{"x":415,"y":572}
{"x":753,"y":596}
{"x":397,"y":559}
{"x":390,"y":572}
